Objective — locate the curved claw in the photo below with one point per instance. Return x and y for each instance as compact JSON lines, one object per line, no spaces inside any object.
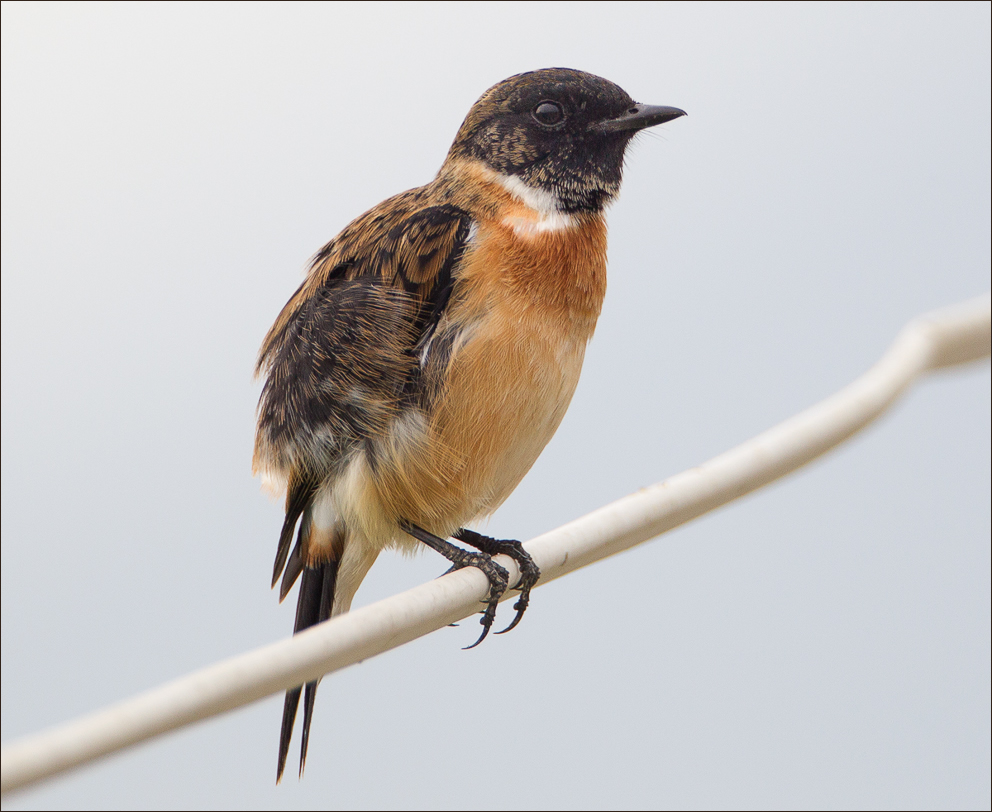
{"x":513,"y":625}
{"x":482,"y":637}
{"x":521,"y":607}
{"x":489,"y":615}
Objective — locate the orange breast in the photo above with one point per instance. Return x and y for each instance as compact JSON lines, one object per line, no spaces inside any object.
{"x":524,"y":313}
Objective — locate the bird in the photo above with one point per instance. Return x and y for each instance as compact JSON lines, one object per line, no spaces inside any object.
{"x":429,"y":355}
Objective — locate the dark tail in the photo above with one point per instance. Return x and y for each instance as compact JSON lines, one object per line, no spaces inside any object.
{"x":315,"y":604}
{"x":298,"y":499}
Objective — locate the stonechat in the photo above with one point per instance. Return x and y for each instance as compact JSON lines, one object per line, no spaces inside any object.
{"x":430,"y":354}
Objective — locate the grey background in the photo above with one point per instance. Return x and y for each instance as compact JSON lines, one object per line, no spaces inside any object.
{"x":167,"y":171}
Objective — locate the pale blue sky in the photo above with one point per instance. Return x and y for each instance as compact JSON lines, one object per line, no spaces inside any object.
{"x":167,"y":171}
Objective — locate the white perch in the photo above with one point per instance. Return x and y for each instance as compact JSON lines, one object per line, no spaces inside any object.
{"x":944,"y":338}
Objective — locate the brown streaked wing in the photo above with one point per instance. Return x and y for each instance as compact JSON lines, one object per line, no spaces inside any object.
{"x":341,"y":359}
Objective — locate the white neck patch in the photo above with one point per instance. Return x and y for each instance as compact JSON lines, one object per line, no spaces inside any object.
{"x":544,"y":204}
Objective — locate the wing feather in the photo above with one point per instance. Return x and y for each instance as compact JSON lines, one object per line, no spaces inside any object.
{"x":344,"y":356}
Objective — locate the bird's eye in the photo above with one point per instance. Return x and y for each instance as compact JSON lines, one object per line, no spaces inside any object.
{"x":548,"y":113}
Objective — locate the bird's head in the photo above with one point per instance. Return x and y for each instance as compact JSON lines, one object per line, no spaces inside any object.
{"x":557,"y":133}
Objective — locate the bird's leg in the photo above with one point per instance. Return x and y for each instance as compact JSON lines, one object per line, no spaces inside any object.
{"x":529,"y":571}
{"x":498,"y":577}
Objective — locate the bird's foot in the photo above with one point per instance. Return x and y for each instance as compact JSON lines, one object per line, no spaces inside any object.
{"x":529,"y":571}
{"x":498,"y":577}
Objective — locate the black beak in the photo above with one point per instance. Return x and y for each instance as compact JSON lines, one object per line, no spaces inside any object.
{"x":638,"y":117}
